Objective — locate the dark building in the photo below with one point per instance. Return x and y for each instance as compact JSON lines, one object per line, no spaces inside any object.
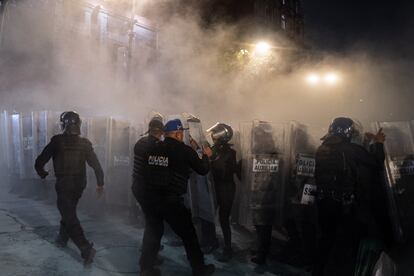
{"x":258,"y":16}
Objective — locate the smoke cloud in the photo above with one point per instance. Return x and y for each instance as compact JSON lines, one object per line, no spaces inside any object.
{"x":44,"y":67}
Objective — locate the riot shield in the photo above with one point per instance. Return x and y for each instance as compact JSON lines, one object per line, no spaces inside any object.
{"x":136,"y":133}
{"x":236,"y":144}
{"x":98,"y":135}
{"x":28,"y":177}
{"x":4,"y":145}
{"x":201,"y":194}
{"x":399,"y":147}
{"x":200,"y":189}
{"x":15,"y":151}
{"x":262,"y":189}
{"x":300,"y":211}
{"x":119,"y":164}
{"x":47,"y":125}
{"x":28,"y":145}
{"x":303,"y":142}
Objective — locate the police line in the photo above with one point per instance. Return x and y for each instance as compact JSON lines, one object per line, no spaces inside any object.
{"x":278,"y":162}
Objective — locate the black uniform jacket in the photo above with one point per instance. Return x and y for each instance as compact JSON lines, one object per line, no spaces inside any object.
{"x":224,"y":164}
{"x":358,"y":167}
{"x":168,"y":167}
{"x":70,"y":154}
{"x":365,"y":176}
{"x":141,"y":150}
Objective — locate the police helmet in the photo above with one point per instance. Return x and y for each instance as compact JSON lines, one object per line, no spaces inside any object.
{"x":221,"y":133}
{"x":70,"y":122}
{"x":343,"y":127}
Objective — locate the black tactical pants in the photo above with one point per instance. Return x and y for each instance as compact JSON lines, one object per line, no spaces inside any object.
{"x":341,"y":233}
{"x":264,"y":240}
{"x":69,"y":191}
{"x":179,"y":218}
{"x":225,"y":193}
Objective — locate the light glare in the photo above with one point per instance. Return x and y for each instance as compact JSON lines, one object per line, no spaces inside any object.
{"x":313,"y":79}
{"x":331,"y":78}
{"x":262,"y":48}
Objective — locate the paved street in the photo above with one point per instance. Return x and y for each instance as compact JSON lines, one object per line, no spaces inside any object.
{"x":28,"y":228}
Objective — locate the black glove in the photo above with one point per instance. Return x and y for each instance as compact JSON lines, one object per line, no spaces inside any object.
{"x":43,"y":174}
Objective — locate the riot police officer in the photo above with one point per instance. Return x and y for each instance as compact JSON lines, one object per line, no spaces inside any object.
{"x":223,"y":168}
{"x":142,"y":147}
{"x":166,"y":173}
{"x":70,"y":153}
{"x":346,"y":178}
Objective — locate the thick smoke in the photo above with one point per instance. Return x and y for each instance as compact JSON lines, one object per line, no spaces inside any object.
{"x":42,"y":67}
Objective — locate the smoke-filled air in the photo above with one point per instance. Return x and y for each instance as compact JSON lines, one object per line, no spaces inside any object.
{"x":258,"y":137}
{"x":46,"y":64}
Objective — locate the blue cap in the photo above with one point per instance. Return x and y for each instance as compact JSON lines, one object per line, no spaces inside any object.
{"x":173,"y":125}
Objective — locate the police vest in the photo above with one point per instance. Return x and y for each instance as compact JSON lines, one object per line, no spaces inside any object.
{"x":157,"y":173}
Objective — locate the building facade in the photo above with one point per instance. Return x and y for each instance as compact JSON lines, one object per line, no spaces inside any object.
{"x":281,"y":15}
{"x":259,"y":16}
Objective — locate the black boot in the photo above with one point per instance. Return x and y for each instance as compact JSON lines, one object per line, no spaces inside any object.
{"x":61,"y":241}
{"x":204,"y":270}
{"x":151,"y":272}
{"x":208,"y":249}
{"x":88,"y":254}
{"x":259,"y":259}
{"x":226,"y":255}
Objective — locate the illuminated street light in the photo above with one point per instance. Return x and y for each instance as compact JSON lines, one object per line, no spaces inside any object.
{"x":313,"y":79}
{"x":331,"y":78}
{"x":262,"y":48}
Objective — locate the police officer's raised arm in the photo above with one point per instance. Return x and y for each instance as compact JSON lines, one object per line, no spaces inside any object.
{"x":376,"y":155}
{"x":43,"y":158}
{"x":200,"y":166}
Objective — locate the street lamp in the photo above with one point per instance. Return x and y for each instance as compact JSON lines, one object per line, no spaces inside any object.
{"x":330,"y":79}
{"x":262,"y":48}
{"x":313,"y":79}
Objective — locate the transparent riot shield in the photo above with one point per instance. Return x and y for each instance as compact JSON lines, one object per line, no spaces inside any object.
{"x":236,"y":145}
{"x":47,"y":125}
{"x":201,"y":194}
{"x":136,"y":132}
{"x":28,"y":176}
{"x":28,"y":145}
{"x":262,"y":189}
{"x":303,"y":142}
{"x":200,"y":189}
{"x":399,"y":147}
{"x":4,"y":145}
{"x":300,"y":219}
{"x":98,"y":134}
{"x":16,"y":151}
{"x":119,"y":164}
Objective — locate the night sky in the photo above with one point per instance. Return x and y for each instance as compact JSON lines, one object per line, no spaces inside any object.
{"x":382,"y":27}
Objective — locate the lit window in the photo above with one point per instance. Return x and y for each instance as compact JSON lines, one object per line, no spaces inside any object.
{"x":283,"y":22}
